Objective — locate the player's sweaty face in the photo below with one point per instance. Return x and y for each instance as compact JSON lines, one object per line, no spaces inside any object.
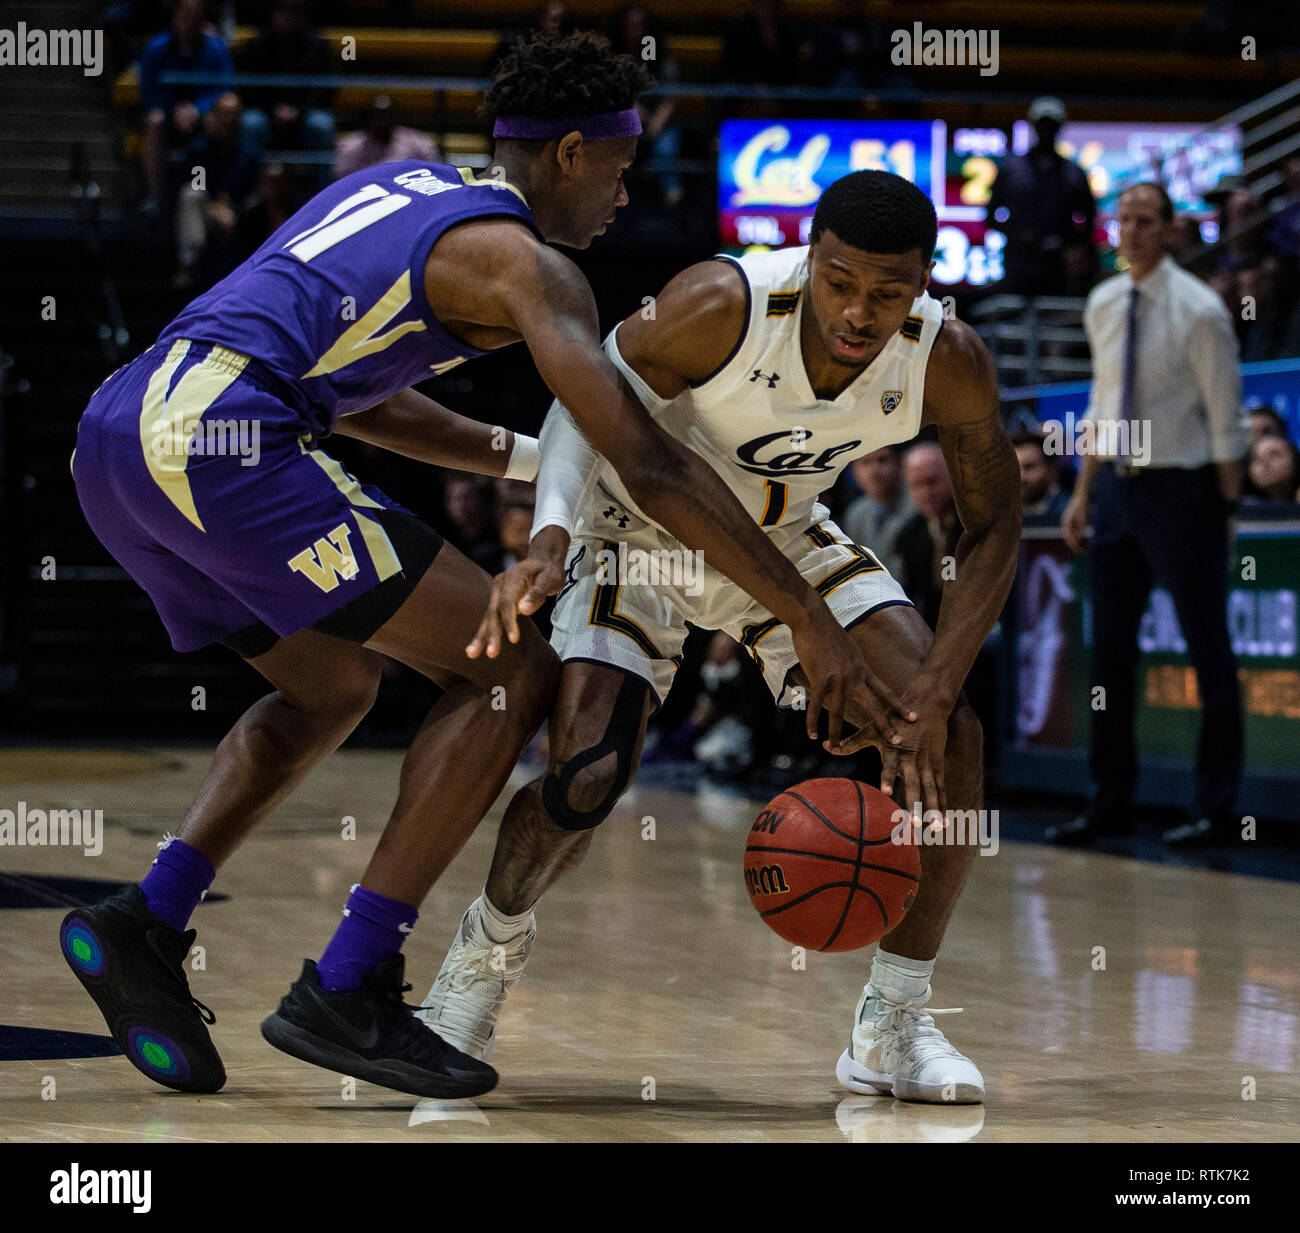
{"x":859,"y":299}
{"x":597,"y":191}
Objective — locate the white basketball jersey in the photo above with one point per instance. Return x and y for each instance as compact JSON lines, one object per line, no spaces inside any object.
{"x":757,"y":422}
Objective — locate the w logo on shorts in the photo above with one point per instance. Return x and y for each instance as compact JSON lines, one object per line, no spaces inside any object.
{"x":328,"y":560}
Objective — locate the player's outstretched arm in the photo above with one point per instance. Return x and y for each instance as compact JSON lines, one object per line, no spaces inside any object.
{"x":551,"y":305}
{"x":961,"y":400}
{"x":411,"y":424}
{"x":567,"y":474}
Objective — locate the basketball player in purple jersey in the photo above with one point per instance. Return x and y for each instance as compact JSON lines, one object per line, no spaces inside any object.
{"x":392,"y":273}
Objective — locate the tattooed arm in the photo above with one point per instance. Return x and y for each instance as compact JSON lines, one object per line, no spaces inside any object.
{"x":961,"y":400}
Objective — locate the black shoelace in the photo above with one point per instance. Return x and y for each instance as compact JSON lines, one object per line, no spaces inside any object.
{"x":423,"y":1043}
{"x":176,"y":965}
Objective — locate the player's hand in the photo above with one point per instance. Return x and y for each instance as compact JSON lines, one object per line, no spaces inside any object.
{"x":523,"y":588}
{"x":918,"y":759}
{"x":840,"y":683}
{"x":1074,"y":524}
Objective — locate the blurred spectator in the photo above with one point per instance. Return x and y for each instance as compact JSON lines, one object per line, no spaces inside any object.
{"x":274,"y":201}
{"x":507,"y":543}
{"x":510,"y":545}
{"x":1042,"y":203}
{"x":1273,"y":473}
{"x":1240,"y":224}
{"x":1224,"y":284}
{"x":1040,"y":480}
{"x":661,"y":139}
{"x":1184,"y":238}
{"x":468,"y":521}
{"x":1283,"y":239}
{"x":290,"y":117}
{"x":128,"y":26}
{"x":875,"y":518}
{"x":719,"y":713}
{"x":514,"y":492}
{"x":172,"y":113}
{"x":1266,"y":422}
{"x":217,"y":198}
{"x":723,"y":720}
{"x":852,"y":51}
{"x":383,"y":140}
{"x":931,"y":534}
{"x":1284,"y":234}
{"x":1262,"y":315}
{"x":762,"y":46}
{"x":552,"y":19}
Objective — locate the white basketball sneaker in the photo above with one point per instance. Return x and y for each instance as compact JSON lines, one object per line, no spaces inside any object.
{"x":896,"y":1049}
{"x":476,"y":977}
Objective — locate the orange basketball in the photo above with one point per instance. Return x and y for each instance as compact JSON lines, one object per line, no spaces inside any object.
{"x":822,"y":869}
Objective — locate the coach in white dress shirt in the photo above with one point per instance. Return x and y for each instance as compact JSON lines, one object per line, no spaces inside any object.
{"x":1168,"y":440}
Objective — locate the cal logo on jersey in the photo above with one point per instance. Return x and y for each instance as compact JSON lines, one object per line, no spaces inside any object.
{"x":763,"y":456}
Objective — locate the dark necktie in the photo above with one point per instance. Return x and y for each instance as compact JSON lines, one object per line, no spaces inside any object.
{"x":1128,"y":390}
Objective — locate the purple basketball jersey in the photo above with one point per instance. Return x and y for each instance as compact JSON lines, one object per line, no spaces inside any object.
{"x":333,"y":303}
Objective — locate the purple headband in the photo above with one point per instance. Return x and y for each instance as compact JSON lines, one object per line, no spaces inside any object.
{"x":602,"y":127}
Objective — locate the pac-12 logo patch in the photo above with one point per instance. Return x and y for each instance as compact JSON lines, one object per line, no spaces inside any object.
{"x":890,"y":400}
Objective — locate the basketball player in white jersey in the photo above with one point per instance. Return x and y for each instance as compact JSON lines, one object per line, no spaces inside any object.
{"x":779,"y":369}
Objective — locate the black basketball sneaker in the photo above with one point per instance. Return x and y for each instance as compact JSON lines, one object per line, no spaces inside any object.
{"x":372,"y":1034}
{"x":132,"y":963}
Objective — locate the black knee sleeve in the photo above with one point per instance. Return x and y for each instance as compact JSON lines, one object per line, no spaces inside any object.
{"x":619,"y":739}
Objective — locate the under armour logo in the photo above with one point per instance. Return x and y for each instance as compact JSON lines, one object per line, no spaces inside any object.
{"x":615,"y":513}
{"x":771,"y":381}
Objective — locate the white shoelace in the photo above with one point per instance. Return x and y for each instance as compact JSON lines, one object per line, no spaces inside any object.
{"x":475,"y":967}
{"x":912,"y":1031}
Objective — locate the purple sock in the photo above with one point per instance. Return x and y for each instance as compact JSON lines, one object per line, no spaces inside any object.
{"x":373,"y":929}
{"x":179,"y":878}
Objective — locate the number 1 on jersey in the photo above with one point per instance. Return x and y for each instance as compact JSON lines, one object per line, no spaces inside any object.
{"x":774,"y":509}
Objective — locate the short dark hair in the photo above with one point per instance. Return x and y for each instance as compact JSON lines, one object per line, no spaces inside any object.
{"x":877,"y":212}
{"x":1027,"y":436}
{"x":575,"y":74}
{"x":1273,"y":414}
{"x":1166,"y":205}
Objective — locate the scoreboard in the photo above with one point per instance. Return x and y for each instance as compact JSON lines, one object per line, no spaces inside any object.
{"x":771,"y":174}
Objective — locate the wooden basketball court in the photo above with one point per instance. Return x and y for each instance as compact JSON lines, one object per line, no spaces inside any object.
{"x":657,"y":1006}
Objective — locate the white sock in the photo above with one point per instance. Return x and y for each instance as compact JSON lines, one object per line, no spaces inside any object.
{"x":499,"y":927}
{"x":900,"y":976}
